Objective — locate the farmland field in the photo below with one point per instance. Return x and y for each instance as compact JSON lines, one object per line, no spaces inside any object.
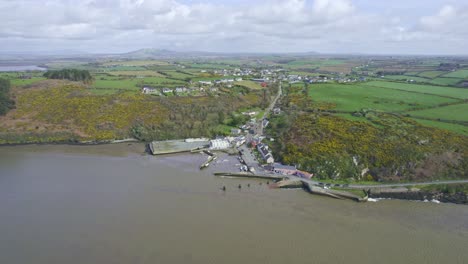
{"x":116,"y":68}
{"x":458,"y":74}
{"x":460,"y":129}
{"x":405,"y":77}
{"x":456,"y":112}
{"x":115,"y":82}
{"x":430,"y":89}
{"x":178,"y":74}
{"x":356,"y":97}
{"x":446,"y":81}
{"x":135,"y":73}
{"x":134,"y":63}
{"x":22,"y":82}
{"x":431,"y":74}
{"x":249,"y":84}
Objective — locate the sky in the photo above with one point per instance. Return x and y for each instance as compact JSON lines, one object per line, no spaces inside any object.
{"x":430,"y":27}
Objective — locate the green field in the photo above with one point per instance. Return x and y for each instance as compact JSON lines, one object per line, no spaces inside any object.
{"x":249,"y":84}
{"x":458,"y":74}
{"x":21,"y":82}
{"x":460,"y":129}
{"x":446,"y":81}
{"x":117,"y":68}
{"x":356,"y":97}
{"x":178,"y":75}
{"x":116,"y":83}
{"x":133,"y":63}
{"x":430,"y":89}
{"x":321,"y":62}
{"x":431,"y":74}
{"x":407,"y":78}
{"x":458,"y":112}
{"x":135,"y":73}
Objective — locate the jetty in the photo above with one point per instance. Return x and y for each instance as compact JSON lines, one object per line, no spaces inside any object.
{"x":249,"y":175}
{"x":178,"y":146}
{"x":207,"y":163}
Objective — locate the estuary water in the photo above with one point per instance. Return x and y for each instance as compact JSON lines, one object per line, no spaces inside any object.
{"x":21,"y":68}
{"x":115,"y":204}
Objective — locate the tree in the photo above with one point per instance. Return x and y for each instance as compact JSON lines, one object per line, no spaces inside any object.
{"x":70,"y":74}
{"x":5,"y":102}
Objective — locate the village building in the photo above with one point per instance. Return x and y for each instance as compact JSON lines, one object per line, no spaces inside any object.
{"x":265,"y":152}
{"x":219,"y":144}
{"x":181,"y":90}
{"x":167,"y":90}
{"x":149,"y":90}
{"x":235,"y":131}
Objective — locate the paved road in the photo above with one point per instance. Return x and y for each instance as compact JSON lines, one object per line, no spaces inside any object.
{"x":269,"y":109}
{"x":357,"y":186}
{"x":250,"y":159}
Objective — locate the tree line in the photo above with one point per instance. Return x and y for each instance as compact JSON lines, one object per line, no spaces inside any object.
{"x":70,"y":74}
{"x":5,"y":102}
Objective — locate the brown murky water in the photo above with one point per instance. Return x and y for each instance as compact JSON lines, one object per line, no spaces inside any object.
{"x":112,"y":204}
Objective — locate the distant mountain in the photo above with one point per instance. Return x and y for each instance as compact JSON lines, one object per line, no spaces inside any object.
{"x":151,"y":53}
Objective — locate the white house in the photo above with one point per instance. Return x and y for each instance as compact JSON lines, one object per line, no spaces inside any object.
{"x":181,"y":90}
{"x":218,"y":144}
{"x":167,"y":90}
{"x":149,"y":90}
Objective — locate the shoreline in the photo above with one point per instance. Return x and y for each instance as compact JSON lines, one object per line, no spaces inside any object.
{"x":121,"y":147}
{"x":76,"y":143}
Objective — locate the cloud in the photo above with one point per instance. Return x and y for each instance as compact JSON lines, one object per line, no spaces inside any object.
{"x":262,"y":25}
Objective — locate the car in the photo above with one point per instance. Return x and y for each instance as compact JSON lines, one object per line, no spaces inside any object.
{"x":337,"y":185}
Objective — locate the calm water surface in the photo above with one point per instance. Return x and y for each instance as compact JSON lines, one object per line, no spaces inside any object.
{"x":112,"y":204}
{"x":21,"y":68}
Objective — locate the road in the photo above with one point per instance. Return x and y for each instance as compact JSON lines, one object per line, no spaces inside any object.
{"x":357,"y":186}
{"x":259,"y":129}
{"x":373,"y":186}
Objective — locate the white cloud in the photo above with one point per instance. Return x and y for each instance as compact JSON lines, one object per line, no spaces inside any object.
{"x":277,"y":25}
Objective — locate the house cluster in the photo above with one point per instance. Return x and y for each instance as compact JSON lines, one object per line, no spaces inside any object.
{"x":294,"y":78}
{"x":226,"y":142}
{"x":351,"y":80}
{"x":234,"y":72}
{"x":149,"y":90}
{"x":177,"y":90}
{"x":251,"y":114}
{"x":227,"y":82}
{"x":288,"y":170}
{"x":265,"y":152}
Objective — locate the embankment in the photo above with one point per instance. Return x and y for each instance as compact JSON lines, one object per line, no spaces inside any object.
{"x":419,"y":195}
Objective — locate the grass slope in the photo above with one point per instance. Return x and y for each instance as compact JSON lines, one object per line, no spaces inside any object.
{"x":355,"y":97}
{"x":430,"y":89}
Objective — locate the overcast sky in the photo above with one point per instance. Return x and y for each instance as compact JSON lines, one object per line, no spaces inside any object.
{"x":327,"y":26}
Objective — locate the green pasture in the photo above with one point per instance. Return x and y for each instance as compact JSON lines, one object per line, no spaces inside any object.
{"x":430,"y":89}
{"x":133,"y":63}
{"x":458,"y":74}
{"x":431,"y":74}
{"x":249,"y":84}
{"x":356,"y":97}
{"x":458,"y":112}
{"x":446,"y":81}
{"x":23,"y":82}
{"x":407,"y":78}
{"x":460,"y":129}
